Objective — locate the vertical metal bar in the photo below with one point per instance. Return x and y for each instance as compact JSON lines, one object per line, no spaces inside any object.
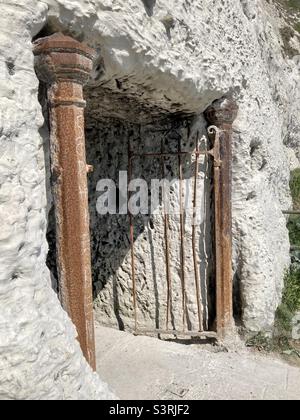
{"x":131,"y":234}
{"x":195,"y":259}
{"x":182,"y":235}
{"x":218,"y":235}
{"x":167,"y":243}
{"x":205,"y":298}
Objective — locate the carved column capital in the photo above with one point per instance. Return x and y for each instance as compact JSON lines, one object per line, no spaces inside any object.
{"x":60,"y":58}
{"x":223,"y":111}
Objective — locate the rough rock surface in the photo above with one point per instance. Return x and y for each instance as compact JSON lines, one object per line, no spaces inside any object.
{"x":39,"y":356}
{"x":167,"y":57}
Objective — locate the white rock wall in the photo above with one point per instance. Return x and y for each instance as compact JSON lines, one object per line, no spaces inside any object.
{"x":172,"y":56}
{"x":39,"y":356}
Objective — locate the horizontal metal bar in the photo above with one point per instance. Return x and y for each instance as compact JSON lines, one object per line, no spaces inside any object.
{"x":203,"y":334}
{"x":291,"y":212}
{"x":175,"y":154}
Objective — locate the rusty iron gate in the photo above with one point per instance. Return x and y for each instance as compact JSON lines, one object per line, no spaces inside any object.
{"x":222,"y":115}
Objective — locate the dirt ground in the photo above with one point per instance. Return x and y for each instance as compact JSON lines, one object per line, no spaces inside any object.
{"x":145,"y":368}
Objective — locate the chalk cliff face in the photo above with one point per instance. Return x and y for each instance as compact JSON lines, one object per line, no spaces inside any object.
{"x":155,"y":58}
{"x":39,"y":356}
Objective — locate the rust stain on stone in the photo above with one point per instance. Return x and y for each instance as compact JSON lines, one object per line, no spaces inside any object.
{"x":64,"y":64}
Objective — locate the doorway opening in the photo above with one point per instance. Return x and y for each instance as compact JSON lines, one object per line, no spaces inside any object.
{"x":153,"y":273}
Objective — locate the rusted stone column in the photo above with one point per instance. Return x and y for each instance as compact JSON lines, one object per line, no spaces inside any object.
{"x":222,"y":114}
{"x":65,"y":65}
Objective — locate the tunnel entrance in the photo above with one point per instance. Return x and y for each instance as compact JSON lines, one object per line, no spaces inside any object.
{"x":153,"y":272}
{"x":143,"y":267}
